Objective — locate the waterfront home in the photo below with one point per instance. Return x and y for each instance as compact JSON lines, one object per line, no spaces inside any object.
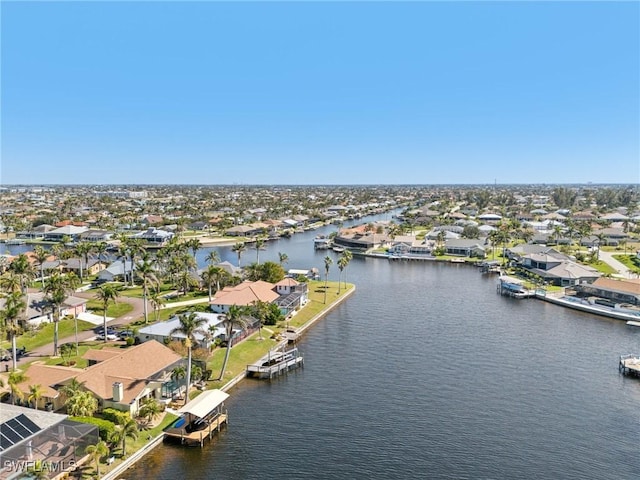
{"x":556,"y":269}
{"x":617,"y":291}
{"x":48,"y":377}
{"x":71,"y":231}
{"x":465,"y":247}
{"x":161,"y":331}
{"x":128,"y":376}
{"x":35,"y":437}
{"x":96,"y":236}
{"x":293,"y":295}
{"x":244,"y":294}
{"x":154,"y":237}
{"x":409,"y":245}
{"x":517,"y":252}
{"x":361,"y":238}
{"x":36,"y":233}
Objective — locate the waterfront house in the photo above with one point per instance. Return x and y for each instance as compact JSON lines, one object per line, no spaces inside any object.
{"x":123,"y":378}
{"x":36,"y":437}
{"x":154,"y":237}
{"x":244,"y":294}
{"x":48,"y":377}
{"x":556,"y":269}
{"x":465,"y":247}
{"x":161,"y":331}
{"x":617,"y":291}
{"x":96,"y":236}
{"x":293,"y":295}
{"x":71,"y":231}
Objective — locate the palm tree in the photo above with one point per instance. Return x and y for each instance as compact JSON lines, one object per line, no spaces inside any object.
{"x":236,"y":316}
{"x":100,"y":248}
{"x":81,"y":404}
{"x":190,"y":324}
{"x":106,"y":294}
{"x":35,"y":394}
{"x":22,"y":269}
{"x":149,"y":409}
{"x":211,"y":276}
{"x":83,"y":250}
{"x":14,"y":307}
{"x":347,"y":256}
{"x":126,"y":427}
{"x":283,"y":258}
{"x":96,"y":452}
{"x":258,"y":245}
{"x":15,"y":378}
{"x":73,"y":387}
{"x":145,"y":271}
{"x":327,"y":263}
{"x":213,"y":257}
{"x":56,"y":290}
{"x":41,"y":256}
{"x":195,"y":245}
{"x":239,"y":248}
{"x":157,"y":301}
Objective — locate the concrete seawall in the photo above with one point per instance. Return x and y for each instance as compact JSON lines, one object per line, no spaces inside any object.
{"x":120,"y":470}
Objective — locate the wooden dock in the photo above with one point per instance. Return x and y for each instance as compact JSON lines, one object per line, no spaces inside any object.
{"x":198,"y":437}
{"x":629,"y":365}
{"x":275,"y":363}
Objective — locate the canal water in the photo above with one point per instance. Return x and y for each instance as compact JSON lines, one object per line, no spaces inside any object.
{"x":425,"y":372}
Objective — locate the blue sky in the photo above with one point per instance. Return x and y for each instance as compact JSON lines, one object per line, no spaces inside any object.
{"x":320,"y":93}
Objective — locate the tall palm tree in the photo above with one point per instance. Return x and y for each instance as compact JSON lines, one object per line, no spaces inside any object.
{"x":136,"y":248}
{"x":100,"y":248}
{"x":237,"y":316}
{"x":96,"y":452}
{"x":83,"y":250}
{"x":212,"y":276}
{"x":194,"y":245}
{"x":283,"y":258}
{"x":35,"y":394}
{"x":145,"y":271}
{"x":347,"y":256}
{"x":57,"y":290}
{"x":22,"y":269}
{"x":239,"y":248}
{"x":106,"y":294}
{"x":157,"y":301}
{"x":327,"y":264}
{"x":189,"y":325}
{"x":258,"y":245}
{"x":14,"y":307}
{"x":15,"y":378}
{"x":41,"y":256}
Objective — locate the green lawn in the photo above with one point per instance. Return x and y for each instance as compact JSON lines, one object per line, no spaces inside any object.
{"x":632,"y":262}
{"x":603,"y":267}
{"x":252,"y":349}
{"x":115,"y":310}
{"x":44,"y":335}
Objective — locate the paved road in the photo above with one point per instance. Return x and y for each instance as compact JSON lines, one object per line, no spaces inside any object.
{"x":137,"y":312}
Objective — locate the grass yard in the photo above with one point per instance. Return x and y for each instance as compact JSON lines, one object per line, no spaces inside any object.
{"x":114,"y":310}
{"x":44,"y":335}
{"x":632,"y":262}
{"x":603,"y":267}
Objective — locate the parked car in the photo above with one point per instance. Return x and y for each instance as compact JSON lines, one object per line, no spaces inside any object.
{"x":124,"y":334}
{"x":110,"y":336}
{"x":110,"y":330}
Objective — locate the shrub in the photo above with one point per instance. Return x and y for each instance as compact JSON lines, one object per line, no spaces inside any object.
{"x":130,"y":341}
{"x":115,"y":416}
{"x":105,"y":427}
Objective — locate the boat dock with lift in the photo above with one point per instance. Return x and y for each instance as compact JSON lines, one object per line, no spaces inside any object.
{"x":201,"y":418}
{"x":276,"y":362}
{"x":629,"y":364}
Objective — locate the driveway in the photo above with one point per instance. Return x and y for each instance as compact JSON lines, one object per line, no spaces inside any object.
{"x":623,"y":271}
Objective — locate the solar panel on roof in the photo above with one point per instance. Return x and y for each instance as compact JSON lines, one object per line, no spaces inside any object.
{"x":15,"y":430}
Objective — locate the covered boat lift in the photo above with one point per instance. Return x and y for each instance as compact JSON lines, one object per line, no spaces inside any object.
{"x":201,"y":418}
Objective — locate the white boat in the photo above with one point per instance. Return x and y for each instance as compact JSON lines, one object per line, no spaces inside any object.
{"x":337,"y":249}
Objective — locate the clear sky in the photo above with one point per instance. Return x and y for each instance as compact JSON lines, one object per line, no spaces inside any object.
{"x":320,"y":92}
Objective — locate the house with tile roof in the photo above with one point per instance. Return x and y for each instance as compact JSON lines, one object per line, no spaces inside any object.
{"x":244,"y":294}
{"x":118,"y":378}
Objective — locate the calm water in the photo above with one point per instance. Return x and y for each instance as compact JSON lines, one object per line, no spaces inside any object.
{"x":426,"y":372}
